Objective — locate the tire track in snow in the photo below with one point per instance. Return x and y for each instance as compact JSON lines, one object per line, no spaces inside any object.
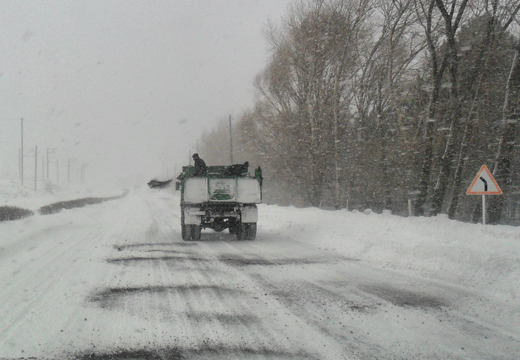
{"x":274,"y":314}
{"x":41,"y":277}
{"x":134,"y":292}
{"x":203,"y":311}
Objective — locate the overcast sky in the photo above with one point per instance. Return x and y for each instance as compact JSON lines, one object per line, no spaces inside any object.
{"x":125,"y":86}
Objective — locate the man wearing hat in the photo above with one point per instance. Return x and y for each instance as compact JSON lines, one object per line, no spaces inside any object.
{"x":200,"y":166}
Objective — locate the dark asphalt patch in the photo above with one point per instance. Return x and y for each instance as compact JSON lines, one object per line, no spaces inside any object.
{"x":151,"y":245}
{"x":305,"y":295}
{"x":236,"y":261}
{"x":406,"y":298}
{"x":233,"y":261}
{"x":8,"y":213}
{"x":145,"y":259}
{"x":241,"y":261}
{"x":223,"y":318}
{"x":202,"y":352}
{"x":114,"y":297}
{"x":15,"y":213}
{"x":71,"y":204}
{"x":166,"y":251}
{"x":170,"y":354}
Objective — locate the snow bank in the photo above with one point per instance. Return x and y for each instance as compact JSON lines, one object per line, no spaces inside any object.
{"x":483,"y":258}
{"x":14,"y":194}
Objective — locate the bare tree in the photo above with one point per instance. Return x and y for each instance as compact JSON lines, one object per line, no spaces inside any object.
{"x":508,"y":136}
{"x":386,"y":68}
{"x":438,"y":62}
{"x":497,"y":21}
{"x":305,"y":81}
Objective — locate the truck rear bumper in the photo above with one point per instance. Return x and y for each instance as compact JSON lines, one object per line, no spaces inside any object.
{"x":194,"y":215}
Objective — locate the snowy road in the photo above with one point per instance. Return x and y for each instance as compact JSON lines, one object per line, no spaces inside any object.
{"x":116,"y":281}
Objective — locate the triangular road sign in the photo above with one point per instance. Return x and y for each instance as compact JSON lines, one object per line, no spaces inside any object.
{"x":484,"y":184}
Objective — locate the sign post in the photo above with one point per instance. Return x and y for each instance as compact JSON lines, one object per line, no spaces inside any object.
{"x":484,"y":184}
{"x":483,"y":209}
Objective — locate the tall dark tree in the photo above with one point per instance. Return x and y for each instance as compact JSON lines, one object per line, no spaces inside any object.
{"x":486,"y":48}
{"x":304,"y":82}
{"x":351,"y":111}
{"x":428,"y":17}
{"x":508,"y":137}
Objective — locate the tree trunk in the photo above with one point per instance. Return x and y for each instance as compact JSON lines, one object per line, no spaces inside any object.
{"x":427,"y":160}
{"x":451,"y":26}
{"x":446,"y":163}
{"x":457,"y":181}
{"x":468,"y":131}
{"x":504,"y":157}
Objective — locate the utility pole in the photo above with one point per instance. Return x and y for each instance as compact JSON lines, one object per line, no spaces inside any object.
{"x":230,"y":140}
{"x":57,"y":171}
{"x":35,"y":168}
{"x":21,"y":156}
{"x":50,"y":151}
{"x":83,"y":166}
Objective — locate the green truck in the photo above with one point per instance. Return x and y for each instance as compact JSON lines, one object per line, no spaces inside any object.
{"x":222,"y":199}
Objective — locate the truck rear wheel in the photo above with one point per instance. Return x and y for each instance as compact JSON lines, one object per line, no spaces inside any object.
{"x":195,"y":232}
{"x":233,"y":227}
{"x":185,"y":229}
{"x":241,"y":231}
{"x":251,"y":231}
{"x":246,"y":231}
{"x":186,"y":232}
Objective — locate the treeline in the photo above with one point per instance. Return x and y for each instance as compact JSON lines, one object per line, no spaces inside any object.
{"x":370,"y":103}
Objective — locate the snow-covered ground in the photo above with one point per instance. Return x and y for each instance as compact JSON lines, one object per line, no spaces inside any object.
{"x":473,"y":256}
{"x":13,"y":194}
{"x":117,"y":278}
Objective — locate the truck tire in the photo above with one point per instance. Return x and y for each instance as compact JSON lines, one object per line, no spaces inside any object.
{"x":185,"y":229}
{"x":241,"y":231}
{"x":251,"y":231}
{"x":233,"y":227}
{"x":186,"y":232}
{"x":246,"y":231}
{"x":195,"y":232}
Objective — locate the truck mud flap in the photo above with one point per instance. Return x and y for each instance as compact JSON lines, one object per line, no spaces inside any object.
{"x":249,"y":214}
{"x":192,"y":216}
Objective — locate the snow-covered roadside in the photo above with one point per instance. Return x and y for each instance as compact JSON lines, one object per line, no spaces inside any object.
{"x":93,"y":279}
{"x":477,"y":257}
{"x":13,"y":194}
{"x":482,"y":258}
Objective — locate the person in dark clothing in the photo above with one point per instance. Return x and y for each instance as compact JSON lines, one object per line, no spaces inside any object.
{"x":200,"y":166}
{"x":258,"y":174}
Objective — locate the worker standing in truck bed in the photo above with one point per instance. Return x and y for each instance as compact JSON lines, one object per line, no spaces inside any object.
{"x":200,"y":166}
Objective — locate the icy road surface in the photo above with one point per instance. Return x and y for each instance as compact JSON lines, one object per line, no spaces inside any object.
{"x":116,"y":281}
